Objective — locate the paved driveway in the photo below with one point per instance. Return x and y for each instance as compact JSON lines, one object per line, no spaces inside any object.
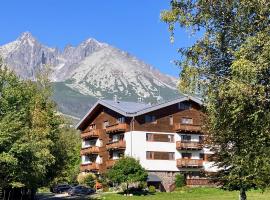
{"x":51,"y":196}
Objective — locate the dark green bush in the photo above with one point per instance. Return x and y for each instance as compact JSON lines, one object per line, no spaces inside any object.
{"x":180,"y":180}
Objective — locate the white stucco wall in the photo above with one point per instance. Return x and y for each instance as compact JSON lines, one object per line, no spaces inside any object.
{"x":136,"y":146}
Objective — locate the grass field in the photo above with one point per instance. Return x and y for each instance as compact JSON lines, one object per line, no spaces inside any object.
{"x":194,"y":194}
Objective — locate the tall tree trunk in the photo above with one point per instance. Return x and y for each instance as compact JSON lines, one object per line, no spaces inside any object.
{"x":242,"y":195}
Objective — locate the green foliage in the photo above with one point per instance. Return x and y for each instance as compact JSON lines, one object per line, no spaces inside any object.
{"x":229,"y":64}
{"x":179,"y":180}
{"x":32,"y":144}
{"x":87,"y":179}
{"x":90,"y":181}
{"x":127,"y":170}
{"x":152,"y":189}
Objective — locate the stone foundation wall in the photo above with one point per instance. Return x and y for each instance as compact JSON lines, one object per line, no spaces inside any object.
{"x":167,"y":178}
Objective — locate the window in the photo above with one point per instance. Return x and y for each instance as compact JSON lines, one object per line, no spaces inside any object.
{"x":156,"y":137}
{"x":184,"y":105}
{"x":171,"y":119}
{"x":186,"y":155}
{"x":186,"y":121}
{"x":92,"y":126}
{"x":201,"y":139}
{"x":105,"y":124}
{"x":185,"y":138}
{"x":202,"y":156}
{"x":150,"y":119}
{"x":156,"y":155}
{"x":121,"y":120}
{"x":149,"y":137}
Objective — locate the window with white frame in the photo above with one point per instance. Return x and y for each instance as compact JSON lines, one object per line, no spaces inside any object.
{"x":186,"y":120}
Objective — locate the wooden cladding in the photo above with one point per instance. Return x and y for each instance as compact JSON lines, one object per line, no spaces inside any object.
{"x":188,"y":145}
{"x":189,"y":163}
{"x":110,"y":163}
{"x":89,"y":167}
{"x":187,"y":128}
{"x":158,"y":155}
{"x":90,"y":150}
{"x":116,"y":128}
{"x":121,"y":144}
{"x":198,"y":182}
{"x":156,"y":137}
{"x":94,"y":133}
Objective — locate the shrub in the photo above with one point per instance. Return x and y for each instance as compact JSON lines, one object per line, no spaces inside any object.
{"x":90,"y":181}
{"x":152,"y":189}
{"x":142,"y":185}
{"x":179,"y":180}
{"x":87,"y":179}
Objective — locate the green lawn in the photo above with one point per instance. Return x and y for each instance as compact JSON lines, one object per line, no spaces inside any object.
{"x":194,"y":194}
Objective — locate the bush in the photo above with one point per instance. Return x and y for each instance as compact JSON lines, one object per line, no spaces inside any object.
{"x":152,"y":189}
{"x":87,"y":179}
{"x":90,"y":181}
{"x":180,"y":180}
{"x":142,"y":185}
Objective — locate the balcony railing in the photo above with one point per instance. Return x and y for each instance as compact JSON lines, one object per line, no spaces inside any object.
{"x":110,"y":163}
{"x":94,"y":133}
{"x":187,"y":128}
{"x":188,"y":145}
{"x":189,"y":163}
{"x":121,"y":144}
{"x":90,"y":150}
{"x":89,"y":167}
{"x":116,"y":128}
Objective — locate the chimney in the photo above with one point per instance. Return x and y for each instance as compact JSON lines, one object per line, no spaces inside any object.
{"x":115,"y":98}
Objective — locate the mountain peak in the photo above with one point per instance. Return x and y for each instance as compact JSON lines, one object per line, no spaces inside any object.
{"x":93,"y":41}
{"x":26,"y":35}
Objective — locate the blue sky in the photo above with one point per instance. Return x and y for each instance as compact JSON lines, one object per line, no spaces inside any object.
{"x":131,"y":25}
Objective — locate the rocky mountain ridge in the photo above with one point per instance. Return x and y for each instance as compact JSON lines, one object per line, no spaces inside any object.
{"x":87,"y":72}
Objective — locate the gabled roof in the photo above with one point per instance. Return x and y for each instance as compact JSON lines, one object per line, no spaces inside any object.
{"x":132,"y":109}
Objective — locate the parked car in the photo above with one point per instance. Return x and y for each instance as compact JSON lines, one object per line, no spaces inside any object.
{"x":80,"y":190}
{"x":61,"y":188}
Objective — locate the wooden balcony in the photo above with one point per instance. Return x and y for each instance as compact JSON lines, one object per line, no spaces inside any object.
{"x":117,"y":128}
{"x":118,"y":145}
{"x":89,"y":167}
{"x":90,"y":150}
{"x":94,"y":133}
{"x":189,"y":163}
{"x":187,"y":128}
{"x":110,"y":163}
{"x":188,"y":145}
